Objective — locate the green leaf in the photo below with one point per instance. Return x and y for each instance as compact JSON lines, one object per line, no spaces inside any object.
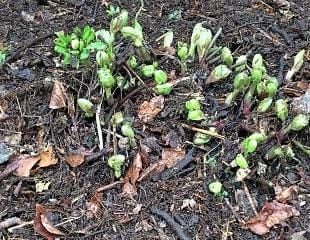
{"x":60,"y":50}
{"x":84,"y":54}
{"x":98,"y":45}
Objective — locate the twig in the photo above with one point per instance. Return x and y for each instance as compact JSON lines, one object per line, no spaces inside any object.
{"x":109,"y":186}
{"x":100,"y":138}
{"x":173,"y":224}
{"x":212,"y":134}
{"x":246,"y":190}
{"x":23,"y":224}
{"x":10,"y":222}
{"x":114,"y":140}
{"x":203,"y":59}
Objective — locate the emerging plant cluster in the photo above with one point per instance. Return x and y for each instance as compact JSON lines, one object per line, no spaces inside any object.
{"x":83,"y":46}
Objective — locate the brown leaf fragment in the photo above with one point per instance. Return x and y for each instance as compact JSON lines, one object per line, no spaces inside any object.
{"x":94,"y":205}
{"x":284,"y":195}
{"x":149,"y":110}
{"x":75,"y":160}
{"x":47,"y":157}
{"x":131,"y":177}
{"x":25,"y":164}
{"x":58,"y":98}
{"x":43,"y":226}
{"x":271,"y":214}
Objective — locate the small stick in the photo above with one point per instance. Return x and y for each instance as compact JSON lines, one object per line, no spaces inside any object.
{"x":100,"y":138}
{"x":109,"y":186}
{"x":249,"y":197}
{"x":10,"y":222}
{"x":173,"y":224}
{"x":212,"y":134}
{"x":23,"y":224}
{"x":203,"y":59}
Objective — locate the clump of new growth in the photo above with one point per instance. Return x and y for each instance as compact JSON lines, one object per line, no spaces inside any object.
{"x":116,"y":162}
{"x":194,"y":112}
{"x":298,"y":123}
{"x":86,"y":106}
{"x":298,"y":62}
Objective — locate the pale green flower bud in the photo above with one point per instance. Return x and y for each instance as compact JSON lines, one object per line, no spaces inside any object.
{"x":241,"y":161}
{"x":106,"y":78}
{"x":119,"y":22}
{"x":281,"y":109}
{"x":127,"y":131}
{"x":148,"y":70}
{"x":160,"y":76}
{"x":299,"y":122}
{"x":215,"y":187}
{"x":86,"y":106}
{"x":116,"y":162}
{"x":219,"y":72}
{"x":265,"y":104}
{"x":195,"y":115}
{"x":163,"y":89}
{"x":226,"y":56}
{"x":192,"y":104}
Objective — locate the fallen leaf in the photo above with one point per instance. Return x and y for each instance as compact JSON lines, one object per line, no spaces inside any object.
{"x":25,"y":163}
{"x":94,"y":205}
{"x":58,"y":98}
{"x":43,"y":226}
{"x":272,"y":213}
{"x":284,"y":195}
{"x":75,"y":160}
{"x":148,"y":110}
{"x":172,"y":155}
{"x":47,"y":158}
{"x":5,"y":153}
{"x":132,"y":176}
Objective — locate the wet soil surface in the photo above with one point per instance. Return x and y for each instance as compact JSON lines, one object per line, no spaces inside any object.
{"x":26,"y":83}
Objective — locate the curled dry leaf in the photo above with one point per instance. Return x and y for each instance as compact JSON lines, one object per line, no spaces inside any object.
{"x":132,"y":175}
{"x":58,"y":98}
{"x":170,"y":157}
{"x":284,"y":195}
{"x":43,"y":226}
{"x":75,"y":160}
{"x":272,"y":213}
{"x":148,"y":110}
{"x":47,"y":157}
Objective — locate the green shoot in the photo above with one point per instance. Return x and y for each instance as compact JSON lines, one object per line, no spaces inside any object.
{"x":86,"y":106}
{"x":281,"y":109}
{"x":117,"y":118}
{"x":241,"y":161}
{"x":298,"y":62}
{"x":160,"y":76}
{"x":220,"y":72}
{"x":192,"y":104}
{"x":112,"y":11}
{"x":226,"y":56}
{"x":264,"y":105}
{"x":182,"y":51}
{"x":241,"y":82}
{"x":163,"y":89}
{"x":298,"y":123}
{"x":116,"y":162}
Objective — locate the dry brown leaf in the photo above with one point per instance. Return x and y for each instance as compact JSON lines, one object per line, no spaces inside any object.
{"x":148,"y":110}
{"x":13,"y":138}
{"x":25,"y":164}
{"x":43,"y":226}
{"x":172,"y":155}
{"x":272,"y":213}
{"x":284,"y":195}
{"x":75,"y":160}
{"x":94,"y":205}
{"x":132,"y":176}
{"x":58,"y":98}
{"x":47,"y":158}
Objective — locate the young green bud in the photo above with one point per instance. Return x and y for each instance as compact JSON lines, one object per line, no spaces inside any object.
{"x":194,"y":39}
{"x":148,"y":70}
{"x":256,"y":74}
{"x":127,"y":130}
{"x":288,"y":151}
{"x":241,"y":161}
{"x":102,"y":59}
{"x":86,"y":106}
{"x":249,"y":145}
{"x":75,"y":44}
{"x":200,"y":138}
{"x":281,"y":109}
{"x":168,"y":39}
{"x":298,"y":62}
{"x":241,"y":63}
{"x":182,"y":51}
{"x":219,"y":72}
{"x":116,"y":162}
{"x":107,"y":36}
{"x":134,"y":35}
{"x":132,"y":62}
{"x":119,"y":22}
{"x":117,"y":118}
{"x":226,"y":56}
{"x":195,"y":115}
{"x":106,"y":78}
{"x":160,"y":76}
{"x":203,"y":41}
{"x":215,"y":187}
{"x":272,"y":86}
{"x":258,"y":137}
{"x":264,"y":105}
{"x":257,"y":62}
{"x":299,"y":122}
{"x":163,"y":89}
{"x":273,"y":153}
{"x":192,"y":104}
{"x":241,"y":81}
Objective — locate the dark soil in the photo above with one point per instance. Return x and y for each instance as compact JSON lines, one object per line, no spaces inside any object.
{"x":25,"y":87}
